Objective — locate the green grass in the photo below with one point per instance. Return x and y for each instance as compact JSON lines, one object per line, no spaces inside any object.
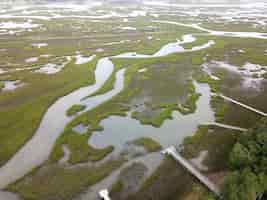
{"x":232,"y":114}
{"x":157,"y":120}
{"x":168,"y":181}
{"x":148,"y":143}
{"x":2,"y":85}
{"x":56,"y":182}
{"x":171,"y":181}
{"x":80,"y":150}
{"x":190,"y":104}
{"x":75,"y":109}
{"x":204,"y":78}
{"x":199,"y":41}
{"x":30,"y":103}
{"x":119,"y":105}
{"x":92,"y":119}
{"x":42,"y":90}
{"x":217,"y":141}
{"x":116,"y":187}
{"x":220,"y":107}
{"x":165,"y":97}
{"x":109,"y":84}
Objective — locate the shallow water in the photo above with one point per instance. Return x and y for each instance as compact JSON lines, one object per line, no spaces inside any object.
{"x":80,"y":59}
{"x":51,"y":68}
{"x":32,"y":59}
{"x":39,"y":45}
{"x":37,"y":149}
{"x":174,"y":47}
{"x":120,"y":130}
{"x":80,"y":128}
{"x":11,"y":85}
{"x":14,"y":25}
{"x":40,"y":146}
{"x":247,"y":73}
{"x":151,"y":161}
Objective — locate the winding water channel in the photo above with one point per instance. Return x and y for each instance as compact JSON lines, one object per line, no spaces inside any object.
{"x":117,"y":132}
{"x":37,"y":150}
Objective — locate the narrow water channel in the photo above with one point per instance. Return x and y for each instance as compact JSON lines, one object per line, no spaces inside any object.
{"x":120,"y":130}
{"x":38,"y":149}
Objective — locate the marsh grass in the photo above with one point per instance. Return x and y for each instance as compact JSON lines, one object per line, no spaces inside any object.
{"x":30,"y":103}
{"x":149,"y":144}
{"x":75,"y":109}
{"x":57,"y":182}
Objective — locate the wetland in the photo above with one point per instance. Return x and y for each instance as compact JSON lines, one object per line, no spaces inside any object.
{"x":91,"y":93}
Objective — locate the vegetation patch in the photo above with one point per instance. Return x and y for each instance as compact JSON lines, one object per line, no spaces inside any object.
{"x":220,"y":107}
{"x":116,"y":187}
{"x":149,"y":144}
{"x":34,"y":100}
{"x":75,"y":109}
{"x":118,"y":105}
{"x":2,"y":85}
{"x":205,"y":78}
{"x":178,"y":184}
{"x":56,"y":182}
{"x":80,"y":151}
{"x":248,"y":162}
{"x":232,"y":114}
{"x":217,"y":141}
{"x":129,"y":180}
{"x":157,"y":121}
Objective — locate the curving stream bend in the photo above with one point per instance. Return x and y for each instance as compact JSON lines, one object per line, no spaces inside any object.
{"x":38,"y":149}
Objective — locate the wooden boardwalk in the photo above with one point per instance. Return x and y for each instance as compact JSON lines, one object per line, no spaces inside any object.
{"x":243,"y":105}
{"x":203,"y":179}
{"x":226,"y":126}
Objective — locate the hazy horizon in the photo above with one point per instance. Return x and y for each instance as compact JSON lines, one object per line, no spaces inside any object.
{"x":136,"y":1}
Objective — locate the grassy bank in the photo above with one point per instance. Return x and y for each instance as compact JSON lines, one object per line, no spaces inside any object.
{"x":178,"y":183}
{"x":28,"y":109}
{"x":121,"y":103}
{"x":217,"y":141}
{"x":56,"y":182}
{"x":149,"y":144}
{"x":75,"y":109}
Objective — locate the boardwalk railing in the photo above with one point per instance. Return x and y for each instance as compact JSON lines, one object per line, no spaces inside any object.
{"x":226,"y":126}
{"x":172,"y":152}
{"x":242,"y":105}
